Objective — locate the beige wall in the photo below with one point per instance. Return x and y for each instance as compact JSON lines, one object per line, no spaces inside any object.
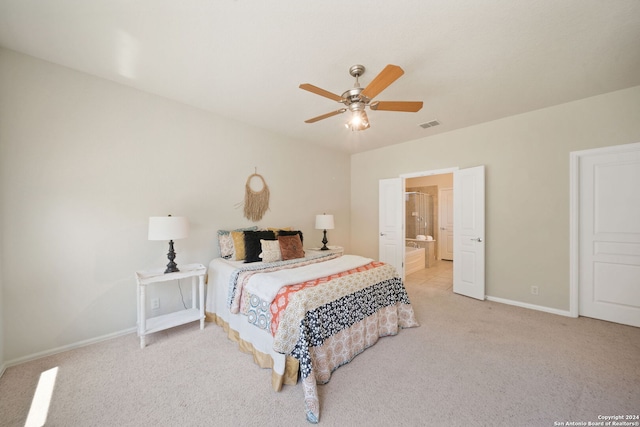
{"x":84,"y":162}
{"x":527,"y":186}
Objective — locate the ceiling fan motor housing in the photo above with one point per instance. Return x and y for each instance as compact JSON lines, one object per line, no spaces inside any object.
{"x":353,"y":96}
{"x":357,"y":106}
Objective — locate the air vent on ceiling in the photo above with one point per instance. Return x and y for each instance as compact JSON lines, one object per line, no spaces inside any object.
{"x":430,"y":124}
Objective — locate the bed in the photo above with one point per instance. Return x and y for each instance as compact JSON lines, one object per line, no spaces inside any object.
{"x":305,"y":317}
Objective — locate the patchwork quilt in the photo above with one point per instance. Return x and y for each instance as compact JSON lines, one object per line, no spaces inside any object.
{"x":323,"y":312}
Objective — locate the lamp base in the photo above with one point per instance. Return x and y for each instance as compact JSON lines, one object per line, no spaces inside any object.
{"x":324,"y":242}
{"x":172,"y":267}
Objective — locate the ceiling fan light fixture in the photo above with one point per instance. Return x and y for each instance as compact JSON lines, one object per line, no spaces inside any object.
{"x":358,"y":122}
{"x":357,"y":98}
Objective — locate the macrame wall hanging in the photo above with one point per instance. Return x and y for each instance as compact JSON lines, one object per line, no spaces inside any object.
{"x":256,"y":203}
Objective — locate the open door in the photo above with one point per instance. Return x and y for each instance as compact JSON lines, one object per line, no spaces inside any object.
{"x":391,"y":238}
{"x":468,"y":232}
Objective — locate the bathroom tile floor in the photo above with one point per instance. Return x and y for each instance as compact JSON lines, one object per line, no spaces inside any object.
{"x":439,"y":276}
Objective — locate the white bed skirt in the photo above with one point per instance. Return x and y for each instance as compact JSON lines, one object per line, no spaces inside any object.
{"x":251,"y":339}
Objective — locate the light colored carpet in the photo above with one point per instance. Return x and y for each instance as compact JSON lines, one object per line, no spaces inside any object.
{"x":470,"y":363}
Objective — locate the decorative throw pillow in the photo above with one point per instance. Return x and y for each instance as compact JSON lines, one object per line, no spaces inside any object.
{"x":252,"y":247}
{"x":238,"y":245}
{"x":225,"y":241}
{"x":283,"y":232}
{"x":270,"y":250}
{"x":225,"y":244}
{"x":291,"y":247}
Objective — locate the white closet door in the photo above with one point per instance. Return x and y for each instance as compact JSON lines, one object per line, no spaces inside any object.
{"x":609,"y":234}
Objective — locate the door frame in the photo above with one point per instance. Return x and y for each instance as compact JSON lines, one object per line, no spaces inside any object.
{"x":574,"y":218}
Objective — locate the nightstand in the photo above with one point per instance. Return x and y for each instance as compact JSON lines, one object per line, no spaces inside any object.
{"x":154,"y":324}
{"x":332,"y":250}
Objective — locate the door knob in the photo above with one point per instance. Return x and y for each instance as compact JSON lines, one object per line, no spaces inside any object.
{"x":382,"y":234}
{"x":477,"y":239}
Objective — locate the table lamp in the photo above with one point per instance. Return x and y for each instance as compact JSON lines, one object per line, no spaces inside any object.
{"x":169,"y":228}
{"x":324,"y":222}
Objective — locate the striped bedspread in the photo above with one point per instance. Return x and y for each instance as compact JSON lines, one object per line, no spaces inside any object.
{"x":325,"y":320}
{"x":241,"y":276}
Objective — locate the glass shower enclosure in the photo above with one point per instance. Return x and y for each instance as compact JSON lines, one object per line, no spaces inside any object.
{"x":419,"y":214}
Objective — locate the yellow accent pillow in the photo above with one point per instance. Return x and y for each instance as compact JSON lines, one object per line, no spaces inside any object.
{"x":238,"y":245}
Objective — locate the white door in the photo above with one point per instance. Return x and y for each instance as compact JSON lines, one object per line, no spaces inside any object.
{"x":609,"y":234}
{"x":468,"y":245}
{"x":391,"y":207}
{"x":445,"y":220}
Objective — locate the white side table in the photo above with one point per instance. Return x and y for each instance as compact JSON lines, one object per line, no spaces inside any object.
{"x":162,"y":322}
{"x":332,"y":250}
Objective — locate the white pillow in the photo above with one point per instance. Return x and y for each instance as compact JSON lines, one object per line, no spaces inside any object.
{"x":270,"y":251}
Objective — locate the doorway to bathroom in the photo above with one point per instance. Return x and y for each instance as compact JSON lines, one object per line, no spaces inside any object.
{"x":429,"y":213}
{"x":428,"y":225}
{"x":468,"y":229}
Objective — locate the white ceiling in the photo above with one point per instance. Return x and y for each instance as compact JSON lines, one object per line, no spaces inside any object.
{"x":470,"y":61}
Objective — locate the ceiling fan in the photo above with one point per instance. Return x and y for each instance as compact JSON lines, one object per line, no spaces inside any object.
{"x":356,"y":99}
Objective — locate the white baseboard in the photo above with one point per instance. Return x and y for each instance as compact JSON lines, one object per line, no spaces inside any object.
{"x":531,"y":306}
{"x":3,"y":368}
{"x":79,"y":344}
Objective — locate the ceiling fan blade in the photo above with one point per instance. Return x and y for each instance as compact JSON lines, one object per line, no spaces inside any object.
{"x":388,"y":75}
{"x":324,"y":116}
{"x":406,"y":106}
{"x":318,"y":91}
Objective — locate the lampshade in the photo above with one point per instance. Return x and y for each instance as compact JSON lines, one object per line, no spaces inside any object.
{"x":168,"y":227}
{"x":324,"y":222}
